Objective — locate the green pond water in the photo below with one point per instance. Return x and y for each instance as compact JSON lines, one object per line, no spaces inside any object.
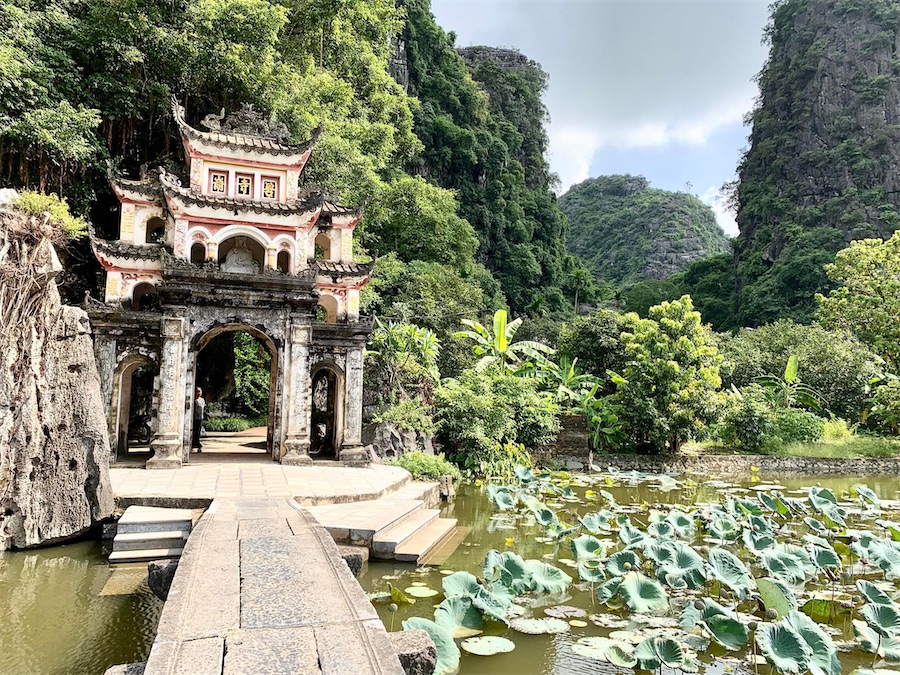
{"x":59,"y":615}
{"x":545,"y":654}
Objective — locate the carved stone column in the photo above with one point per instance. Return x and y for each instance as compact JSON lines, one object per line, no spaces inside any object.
{"x":295,"y":398}
{"x":166,"y":444}
{"x":352,"y":451}
{"x":271,"y":257}
{"x":212,"y":251}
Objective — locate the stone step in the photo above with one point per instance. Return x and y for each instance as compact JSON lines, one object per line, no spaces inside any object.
{"x":425,"y":540}
{"x":445,"y":548}
{"x":427,"y":492}
{"x":144,"y":555}
{"x":386,"y":541}
{"x":136,"y":541}
{"x":153,"y":519}
{"x":356,"y":523}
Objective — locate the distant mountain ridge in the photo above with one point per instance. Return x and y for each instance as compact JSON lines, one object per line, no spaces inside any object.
{"x":627,"y":232}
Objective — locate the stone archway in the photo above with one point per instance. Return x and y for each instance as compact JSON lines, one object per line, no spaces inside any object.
{"x":326,"y":410}
{"x":122,"y":397}
{"x":207,"y":338}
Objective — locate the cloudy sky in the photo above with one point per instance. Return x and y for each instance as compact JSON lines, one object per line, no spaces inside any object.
{"x":658,"y":88}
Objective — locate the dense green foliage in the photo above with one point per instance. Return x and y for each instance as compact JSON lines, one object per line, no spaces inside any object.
{"x":627,"y":232}
{"x":823,"y":152}
{"x":866,"y":301}
{"x":481,"y":120}
{"x":252,"y":373}
{"x":423,"y":466}
{"x":834,"y":363}
{"x":668,"y":390}
{"x":596,"y":341}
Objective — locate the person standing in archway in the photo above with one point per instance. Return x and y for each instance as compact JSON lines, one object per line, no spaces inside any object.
{"x":199,"y":410}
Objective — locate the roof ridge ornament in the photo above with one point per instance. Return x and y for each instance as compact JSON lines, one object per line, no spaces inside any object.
{"x":247,"y":121}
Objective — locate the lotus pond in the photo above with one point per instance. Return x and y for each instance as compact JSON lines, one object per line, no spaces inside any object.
{"x":621,"y":572}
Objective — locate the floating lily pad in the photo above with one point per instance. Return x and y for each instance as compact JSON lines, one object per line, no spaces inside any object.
{"x":565,"y":612}
{"x":547,"y":625}
{"x":578,"y":623}
{"x":420,"y":592}
{"x":593,"y":647}
{"x":487,"y":645}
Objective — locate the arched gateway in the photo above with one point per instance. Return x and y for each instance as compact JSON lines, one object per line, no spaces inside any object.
{"x":237,"y":254}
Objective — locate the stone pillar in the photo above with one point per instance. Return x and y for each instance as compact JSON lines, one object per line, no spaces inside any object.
{"x":212,"y":251}
{"x":167,"y":442}
{"x":271,"y":257}
{"x":352,"y":451}
{"x":105,"y":355}
{"x":295,"y":450}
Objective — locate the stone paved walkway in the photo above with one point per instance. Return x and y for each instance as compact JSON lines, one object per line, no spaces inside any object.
{"x":261,"y":588}
{"x":308,"y":485}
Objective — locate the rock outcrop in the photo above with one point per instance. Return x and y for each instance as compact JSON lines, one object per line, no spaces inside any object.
{"x":54,"y":448}
{"x":627,"y":232}
{"x":823,"y":166}
{"x":388,"y":440}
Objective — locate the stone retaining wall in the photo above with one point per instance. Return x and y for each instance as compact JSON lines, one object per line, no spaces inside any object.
{"x":739,"y":465}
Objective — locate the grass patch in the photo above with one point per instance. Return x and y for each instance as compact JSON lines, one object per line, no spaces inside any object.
{"x":854,"y":447}
{"x":422,"y":465}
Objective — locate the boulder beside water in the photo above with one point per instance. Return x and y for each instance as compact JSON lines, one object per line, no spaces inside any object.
{"x":54,"y":444}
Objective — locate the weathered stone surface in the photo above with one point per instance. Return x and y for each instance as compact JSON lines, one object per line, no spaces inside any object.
{"x":446,"y":488}
{"x":416,"y":651}
{"x":284,"y":651}
{"x":159,"y":576}
{"x":127,"y":669}
{"x":388,"y":440}
{"x":54,"y":448}
{"x":355,"y":557}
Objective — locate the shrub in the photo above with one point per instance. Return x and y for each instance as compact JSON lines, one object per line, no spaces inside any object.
{"x":836,"y":429}
{"x":410,"y":415}
{"x":668,"y":390}
{"x":749,"y":421}
{"x":422,"y":465}
{"x":39,"y":204}
{"x":834,"y":363}
{"x":229,"y":424}
{"x":799,"y":426}
{"x":886,"y":406}
{"x":477,"y":411}
{"x":596,"y":341}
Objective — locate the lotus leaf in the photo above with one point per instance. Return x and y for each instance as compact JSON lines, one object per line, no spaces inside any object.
{"x":824,"y":557}
{"x":873,"y":593}
{"x":492,"y":605}
{"x":748,"y":506}
{"x":591,"y":570}
{"x":824,"y":660}
{"x":816,"y":526}
{"x":643,"y":594}
{"x":587,"y":546}
{"x":461,"y":583}
{"x":884,"y":619}
{"x":646,"y":655}
{"x":593,"y":647}
{"x":761,"y":525}
{"x":683,"y":524}
{"x":398,"y":596}
{"x":871,"y":641}
{"x":501,"y":496}
{"x":691,"y":615}
{"x":731,"y":572}
{"x":524,"y":474}
{"x":661,"y":530}
{"x":757,"y":543}
{"x":630,"y":535}
{"x":669,"y":652}
{"x":609,"y":589}
{"x":885,"y":554}
{"x":866,"y":496}
{"x":892,"y":528}
{"x":459,"y":616}
{"x":487,"y":645}
{"x":684,"y":570}
{"x":783,"y":647}
{"x":619,"y":564}
{"x":547,"y":625}
{"x":621,"y":657}
{"x":774,"y":597}
{"x":547,"y":578}
{"x":596,"y":523}
{"x":783,"y":565}
{"x":724,"y":528}
{"x":447,"y":651}
{"x":727,"y":631}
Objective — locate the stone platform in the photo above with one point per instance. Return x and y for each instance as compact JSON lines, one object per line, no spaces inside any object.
{"x":191,"y":486}
{"x":262,"y":588}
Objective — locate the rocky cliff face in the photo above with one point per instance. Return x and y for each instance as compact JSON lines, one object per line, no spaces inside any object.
{"x":627,"y":232}
{"x":823,"y":167}
{"x":54,"y":449}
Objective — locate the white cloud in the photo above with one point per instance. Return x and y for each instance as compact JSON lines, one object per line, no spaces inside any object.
{"x":724,"y":216}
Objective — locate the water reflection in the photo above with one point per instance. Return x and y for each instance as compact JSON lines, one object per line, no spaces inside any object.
{"x":54,"y":620}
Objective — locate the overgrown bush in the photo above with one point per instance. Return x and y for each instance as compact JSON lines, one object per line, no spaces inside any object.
{"x":668,"y":390}
{"x":835,"y":430}
{"x":409,"y":415}
{"x":885,"y":409}
{"x":749,"y":421}
{"x":422,"y":465}
{"x":799,"y":426}
{"x":596,"y":341}
{"x":478,"y":411}
{"x":834,"y":363}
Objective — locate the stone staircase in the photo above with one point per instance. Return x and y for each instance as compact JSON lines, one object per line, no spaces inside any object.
{"x":398,"y":526}
{"x":145,"y":533}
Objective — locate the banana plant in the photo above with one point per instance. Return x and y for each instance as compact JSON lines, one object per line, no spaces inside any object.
{"x":787,"y":391}
{"x":498,"y":349}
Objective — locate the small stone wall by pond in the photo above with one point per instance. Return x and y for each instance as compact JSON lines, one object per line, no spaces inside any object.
{"x":731,"y":465}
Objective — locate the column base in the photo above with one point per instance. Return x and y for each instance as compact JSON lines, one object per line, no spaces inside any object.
{"x":354,"y":456}
{"x":296,"y":452}
{"x":166,"y":454}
